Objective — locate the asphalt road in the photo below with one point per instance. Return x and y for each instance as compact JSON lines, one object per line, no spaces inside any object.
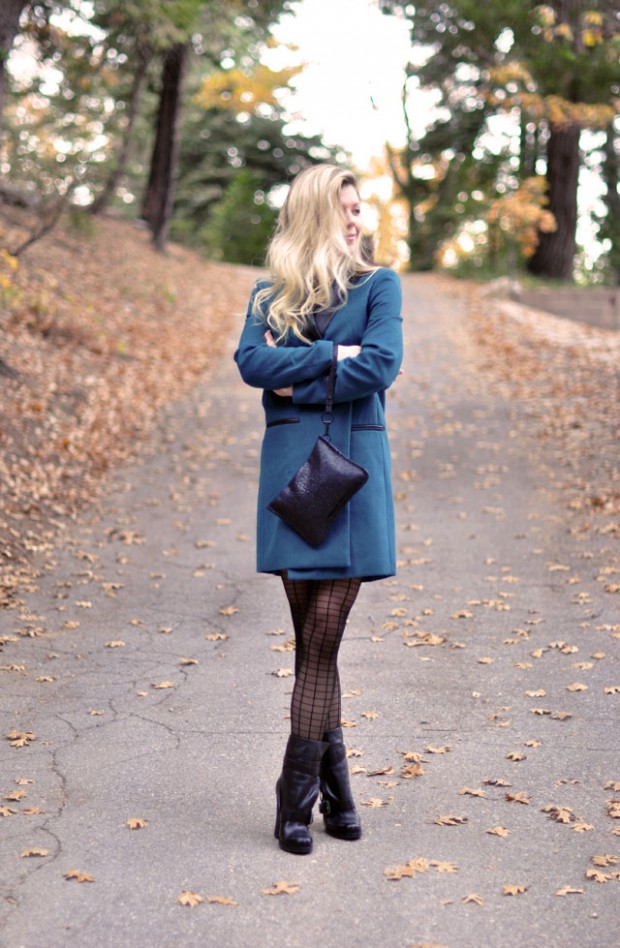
{"x":148,"y":679}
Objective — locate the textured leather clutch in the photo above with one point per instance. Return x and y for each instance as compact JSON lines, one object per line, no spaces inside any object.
{"x":325,"y":482}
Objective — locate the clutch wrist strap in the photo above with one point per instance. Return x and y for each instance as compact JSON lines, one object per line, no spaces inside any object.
{"x":328,"y":415}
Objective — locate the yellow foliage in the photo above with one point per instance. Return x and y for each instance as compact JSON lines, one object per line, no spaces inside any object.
{"x":238,"y":90}
{"x":553,"y":109}
{"x":8,"y":267}
{"x":564,"y":31}
{"x":522,"y":214}
{"x":546,"y":14}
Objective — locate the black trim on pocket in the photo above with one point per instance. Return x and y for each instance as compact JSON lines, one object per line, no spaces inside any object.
{"x":367,"y":427}
{"x":283,"y":421}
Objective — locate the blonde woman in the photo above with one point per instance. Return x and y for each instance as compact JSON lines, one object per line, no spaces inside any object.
{"x":323,"y":300}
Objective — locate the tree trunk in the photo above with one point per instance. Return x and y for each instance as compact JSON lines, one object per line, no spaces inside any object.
{"x":10,"y":14}
{"x":158,"y":199}
{"x":611,"y":225}
{"x":103,"y":199}
{"x":555,"y":253}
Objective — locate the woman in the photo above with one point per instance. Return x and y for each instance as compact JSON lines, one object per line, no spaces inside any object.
{"x":323,"y":295}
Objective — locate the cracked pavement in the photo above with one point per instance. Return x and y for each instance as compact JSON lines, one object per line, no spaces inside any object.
{"x":152,"y":670}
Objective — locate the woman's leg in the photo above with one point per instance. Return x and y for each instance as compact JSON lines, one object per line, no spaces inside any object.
{"x":320,"y":609}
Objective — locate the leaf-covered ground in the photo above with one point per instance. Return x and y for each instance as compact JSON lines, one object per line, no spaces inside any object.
{"x":147,"y":681}
{"x":98,"y":332}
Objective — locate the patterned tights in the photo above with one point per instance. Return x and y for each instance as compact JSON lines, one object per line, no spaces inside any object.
{"x":319,"y":609}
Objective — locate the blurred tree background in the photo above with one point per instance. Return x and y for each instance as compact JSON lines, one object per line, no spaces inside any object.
{"x":159,"y":109}
{"x":525,"y":95}
{"x":165,"y":111}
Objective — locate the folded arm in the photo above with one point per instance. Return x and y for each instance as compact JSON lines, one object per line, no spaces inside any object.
{"x":379,"y":361}
{"x":267,"y":366}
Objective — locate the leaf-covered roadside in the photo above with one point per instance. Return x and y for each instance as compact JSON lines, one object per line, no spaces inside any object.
{"x":567,"y":376}
{"x":98,"y":333}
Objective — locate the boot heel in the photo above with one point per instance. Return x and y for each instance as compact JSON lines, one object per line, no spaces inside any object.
{"x":276,"y":831}
{"x":340,"y":817}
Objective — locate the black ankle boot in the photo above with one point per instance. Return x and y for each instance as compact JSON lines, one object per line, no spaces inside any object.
{"x":339,"y":814}
{"x":297,"y":790}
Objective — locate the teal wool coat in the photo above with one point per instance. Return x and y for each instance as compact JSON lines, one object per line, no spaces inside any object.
{"x":361,"y":542}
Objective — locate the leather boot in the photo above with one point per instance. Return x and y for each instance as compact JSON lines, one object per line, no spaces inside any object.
{"x":297,"y":790}
{"x":340,"y":817}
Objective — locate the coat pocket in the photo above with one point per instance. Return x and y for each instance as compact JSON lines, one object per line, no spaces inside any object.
{"x":282,"y":421}
{"x":367,"y":427}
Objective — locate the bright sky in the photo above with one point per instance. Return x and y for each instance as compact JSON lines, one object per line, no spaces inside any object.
{"x":355,"y":56}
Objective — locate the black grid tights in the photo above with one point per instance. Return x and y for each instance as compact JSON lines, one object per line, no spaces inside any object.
{"x":319,"y":609}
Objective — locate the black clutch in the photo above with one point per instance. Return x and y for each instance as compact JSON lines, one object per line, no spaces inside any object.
{"x":325,"y":482}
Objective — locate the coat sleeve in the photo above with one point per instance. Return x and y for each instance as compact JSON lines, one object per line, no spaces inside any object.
{"x":266,"y":367}
{"x":377,"y":365}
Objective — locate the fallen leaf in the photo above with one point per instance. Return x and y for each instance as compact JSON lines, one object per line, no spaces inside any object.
{"x":519,"y":797}
{"x":577,"y":686}
{"x":191,"y":899}
{"x":15,"y":796}
{"x":410,"y":771}
{"x":115,"y":644}
{"x":514,"y":889}
{"x":28,"y":853}
{"x":221,"y":900}
{"x":499,"y":831}
{"x":408,"y":870}
{"x":569,"y":890}
{"x":437,"y":750}
{"x":283,"y":672}
{"x":604,"y":861}
{"x":597,"y":876}
{"x":613,"y":809}
{"x":21,"y":738}
{"x":450,"y":820}
{"x":375,"y":803}
{"x":282,"y":888}
{"x":471,"y":792}
{"x":188,"y":661}
{"x":472,"y":898}
{"x":228,"y":610}
{"x":561,"y":814}
{"x":136,"y":823}
{"x":443,"y":866}
{"x":79,"y":876}
{"x":163,"y":684}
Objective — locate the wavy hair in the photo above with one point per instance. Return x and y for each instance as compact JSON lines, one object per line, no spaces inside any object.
{"x":311,"y":266}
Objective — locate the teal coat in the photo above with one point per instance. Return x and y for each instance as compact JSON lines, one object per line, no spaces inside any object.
{"x":361,"y":542}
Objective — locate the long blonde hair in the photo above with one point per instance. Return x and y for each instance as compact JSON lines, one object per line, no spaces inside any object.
{"x":310,"y":264}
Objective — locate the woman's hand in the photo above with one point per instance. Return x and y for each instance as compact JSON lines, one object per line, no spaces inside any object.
{"x":283,"y":392}
{"x":348,"y":352}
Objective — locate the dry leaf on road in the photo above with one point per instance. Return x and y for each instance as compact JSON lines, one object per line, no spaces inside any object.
{"x":282,"y":888}
{"x":191,"y":899}
{"x":78,"y":876}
